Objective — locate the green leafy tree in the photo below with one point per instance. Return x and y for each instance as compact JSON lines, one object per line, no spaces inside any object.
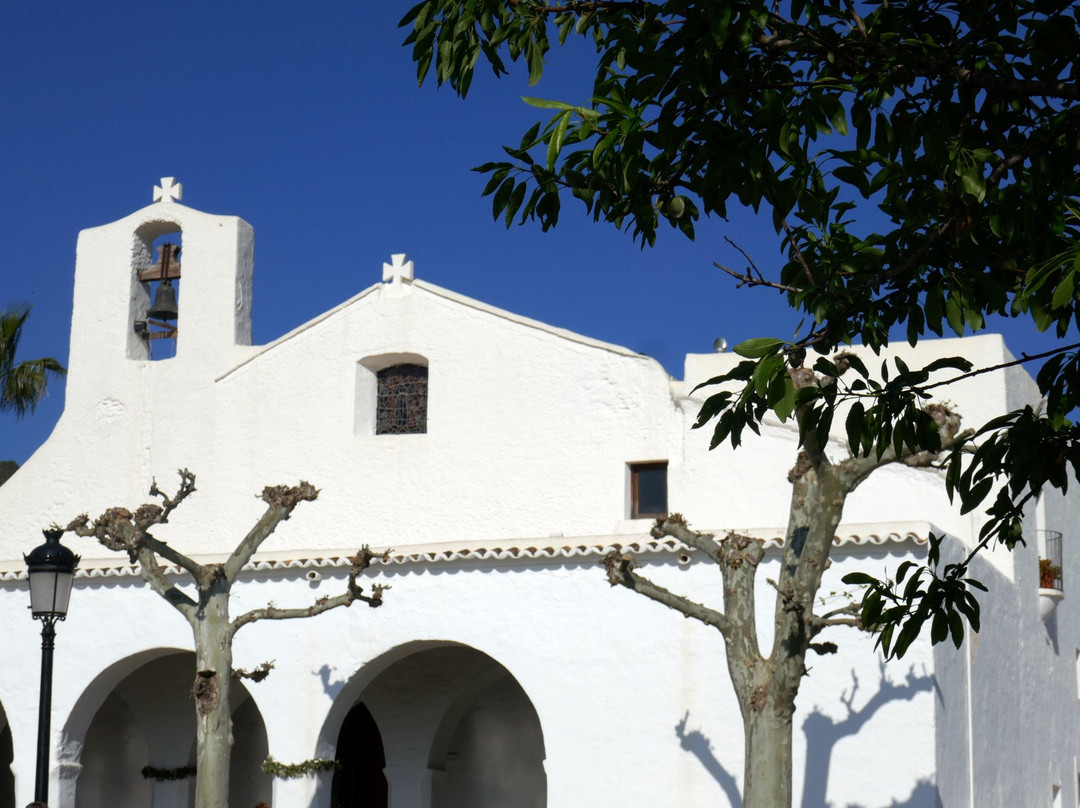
{"x":917,"y":161}
{"x":22,"y":384}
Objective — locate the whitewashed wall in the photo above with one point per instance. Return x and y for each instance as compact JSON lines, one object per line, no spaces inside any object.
{"x":529,"y":432}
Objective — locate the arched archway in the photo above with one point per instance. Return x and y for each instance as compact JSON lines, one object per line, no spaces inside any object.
{"x":493,"y":755}
{"x":456,"y":728}
{"x":146,"y":719}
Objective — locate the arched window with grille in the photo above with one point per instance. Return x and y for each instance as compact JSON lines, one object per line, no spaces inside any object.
{"x":401,"y":400}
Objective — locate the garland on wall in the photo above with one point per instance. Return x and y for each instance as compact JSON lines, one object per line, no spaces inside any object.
{"x":182,"y":773}
{"x":286,"y":771}
{"x":290,"y":771}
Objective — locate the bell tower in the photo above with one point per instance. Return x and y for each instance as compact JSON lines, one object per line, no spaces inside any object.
{"x":136,"y":292}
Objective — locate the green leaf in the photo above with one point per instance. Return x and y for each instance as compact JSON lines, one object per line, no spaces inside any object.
{"x":973,"y":498}
{"x":713,"y":405}
{"x":618,"y":106}
{"x":502,"y":196}
{"x":758,"y":347}
{"x":954,"y":313}
{"x":555,"y":141}
{"x":1064,"y":294}
{"x":786,"y":404}
{"x":859,"y":579}
{"x":535,"y":59}
{"x":954,"y":362}
{"x":908,"y":633}
{"x":543,"y":103}
{"x":514,"y":202}
{"x":903,"y":570}
{"x":939,"y":628}
{"x":856,"y":426}
{"x":973,"y":180}
{"x":838,"y":119}
{"x":956,"y":626}
{"x":764,"y":374}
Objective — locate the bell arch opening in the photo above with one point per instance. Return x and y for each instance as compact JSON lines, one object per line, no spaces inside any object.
{"x":456,"y":729}
{"x":155,"y":291}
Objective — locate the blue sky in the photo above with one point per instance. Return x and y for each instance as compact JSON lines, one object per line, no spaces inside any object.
{"x":306,"y":120}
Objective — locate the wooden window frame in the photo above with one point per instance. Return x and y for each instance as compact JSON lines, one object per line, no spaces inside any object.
{"x":635,"y":488}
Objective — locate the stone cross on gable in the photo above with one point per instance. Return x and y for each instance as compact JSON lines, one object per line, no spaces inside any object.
{"x":400,"y":270}
{"x":169,"y":190}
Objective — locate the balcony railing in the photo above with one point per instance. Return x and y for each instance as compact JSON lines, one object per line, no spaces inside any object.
{"x":1050,"y":560}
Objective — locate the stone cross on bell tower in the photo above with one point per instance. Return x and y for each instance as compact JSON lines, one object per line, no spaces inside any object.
{"x":169,"y":191}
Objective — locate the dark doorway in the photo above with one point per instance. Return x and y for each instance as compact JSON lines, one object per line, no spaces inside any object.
{"x":7,"y":779}
{"x":359,"y":782}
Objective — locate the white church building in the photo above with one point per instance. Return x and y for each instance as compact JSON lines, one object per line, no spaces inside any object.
{"x":500,"y":458}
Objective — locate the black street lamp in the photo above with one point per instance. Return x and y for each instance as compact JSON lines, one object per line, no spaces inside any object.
{"x":50,"y":568}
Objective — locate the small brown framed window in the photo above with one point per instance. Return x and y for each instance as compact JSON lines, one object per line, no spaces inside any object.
{"x":648,"y":490}
{"x":401,"y":400}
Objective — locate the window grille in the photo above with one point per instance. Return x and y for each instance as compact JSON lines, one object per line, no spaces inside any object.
{"x":401,"y":401}
{"x":1050,"y":576}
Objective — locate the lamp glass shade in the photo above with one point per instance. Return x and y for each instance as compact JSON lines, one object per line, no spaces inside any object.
{"x":50,"y":592}
{"x":51,"y":569}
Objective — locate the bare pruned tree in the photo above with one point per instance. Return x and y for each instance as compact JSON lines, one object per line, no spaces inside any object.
{"x":208,"y":611}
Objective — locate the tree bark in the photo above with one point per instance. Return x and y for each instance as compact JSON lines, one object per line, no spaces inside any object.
{"x":767,"y":773}
{"x":210,"y":691}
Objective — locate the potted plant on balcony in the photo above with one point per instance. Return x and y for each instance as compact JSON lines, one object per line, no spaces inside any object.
{"x":1049,"y":574}
{"x":1049,"y":587}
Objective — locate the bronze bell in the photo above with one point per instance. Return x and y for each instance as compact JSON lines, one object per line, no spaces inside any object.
{"x":164,"y":306}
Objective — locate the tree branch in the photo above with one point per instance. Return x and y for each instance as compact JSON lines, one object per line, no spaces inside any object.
{"x":675,"y":526}
{"x":1064,"y":90}
{"x":620,"y":570}
{"x":281,"y":502}
{"x":153,"y":574}
{"x":984,"y":542}
{"x":175,"y":556}
{"x":749,"y":280}
{"x":847,"y":615}
{"x":799,"y":258}
{"x":256,"y":674}
{"x":859,"y":23}
{"x":817,"y":625}
{"x":271,"y":612}
{"x":353,"y":592}
{"x":1023,"y":358}
{"x":168,"y":505}
{"x":585,"y":7}
{"x":857,"y":468}
{"x":121,"y":530}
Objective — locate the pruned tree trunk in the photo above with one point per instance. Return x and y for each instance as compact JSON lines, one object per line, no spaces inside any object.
{"x":210,"y":692}
{"x":767,"y":700}
{"x":767,"y":773}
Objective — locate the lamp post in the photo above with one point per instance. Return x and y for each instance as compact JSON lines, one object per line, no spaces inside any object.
{"x":50,"y":568}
